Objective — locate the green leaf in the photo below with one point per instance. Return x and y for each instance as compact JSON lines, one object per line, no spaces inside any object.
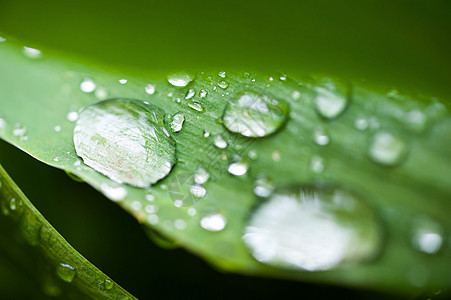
{"x":30,"y":243}
{"x":389,"y":150}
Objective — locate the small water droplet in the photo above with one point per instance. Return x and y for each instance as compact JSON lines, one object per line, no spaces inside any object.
{"x":178,"y":203}
{"x":238,"y":167}
{"x":206,"y":133}
{"x":361,"y":123}
{"x":196,"y":106}
{"x":190,"y":94}
{"x":317,"y":164}
{"x":252,"y":154}
{"x":19,"y":130}
{"x":255,"y":115}
{"x":180,"y":79}
{"x":320,"y":137}
{"x":126,"y":141}
{"x":72,"y":116}
{"x":263,"y":187}
{"x":296,"y":95}
{"x":177,"y":122}
{"x":136,"y":205}
{"x":203,"y":93}
{"x":87,"y":86}
{"x":108,"y":284}
{"x":179,"y":224}
{"x":213,"y":222}
{"x":201,"y":176}
{"x":115,"y":193}
{"x":427,"y":235}
{"x":223,"y":85}
{"x":150,"y":197}
{"x":198,"y":191}
{"x":153,"y":219}
{"x":275,"y":156}
{"x":2,"y":39}
{"x":31,"y":52}
{"x":222,"y":74}
{"x":123,"y":81}
{"x":191,"y":211}
{"x":2,"y":123}
{"x":66,"y":272}
{"x":312,"y":228}
{"x":387,"y":149}
{"x":56,"y":159}
{"x":332,"y":98}
{"x":57,"y":128}
{"x":283,"y":78}
{"x":416,"y":119}
{"x":13,"y":204}
{"x":220,"y":142}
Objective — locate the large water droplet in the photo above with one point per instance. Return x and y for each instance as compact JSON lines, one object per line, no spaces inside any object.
{"x":87,"y":85}
{"x":201,"y":176}
{"x":180,"y":79}
{"x":312,"y":228}
{"x":213,"y":222}
{"x":255,"y":115}
{"x":427,"y":235}
{"x":126,"y":141}
{"x":66,"y":272}
{"x":332,"y":98}
{"x":387,"y":149}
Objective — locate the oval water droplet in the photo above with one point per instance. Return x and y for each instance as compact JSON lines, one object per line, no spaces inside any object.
{"x":223,"y":84}
{"x":65,"y":272}
{"x":238,"y":167}
{"x":196,"y":106}
{"x":180,"y":79}
{"x":320,"y":137}
{"x":387,"y":149}
{"x":177,"y":122}
{"x":222,"y":74}
{"x":108,"y":284}
{"x":190,"y":94}
{"x":32,"y":52}
{"x":201,"y":176}
{"x":126,"y":141}
{"x":213,"y":222}
{"x":427,"y":235}
{"x":87,"y":85}
{"x":255,"y":115}
{"x":332,"y":98}
{"x":312,"y":228}
{"x":150,"y":89}
{"x":203,"y":93}
{"x":263,"y":187}
{"x":220,"y":142}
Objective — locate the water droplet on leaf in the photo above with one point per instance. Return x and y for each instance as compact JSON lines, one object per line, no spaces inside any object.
{"x":180,"y":79}
{"x":332,"y":98}
{"x":213,"y":222}
{"x":177,"y":122}
{"x":255,"y":115}
{"x":312,"y":228}
{"x":66,"y":272}
{"x":387,"y":149}
{"x":427,"y":235}
{"x":125,"y":141}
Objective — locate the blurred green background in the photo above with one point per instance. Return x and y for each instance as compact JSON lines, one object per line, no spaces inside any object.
{"x":402,"y":44}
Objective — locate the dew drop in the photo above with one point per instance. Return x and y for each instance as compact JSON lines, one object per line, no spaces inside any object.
{"x":206,"y":133}
{"x":332,"y":98}
{"x":151,"y":209}
{"x":222,"y":74}
{"x":177,"y":122}
{"x":179,"y":224}
{"x":101,"y":93}
{"x":201,"y":176}
{"x":65,"y":272}
{"x":361,"y":124}
{"x":317,"y":164}
{"x":427,"y":235}
{"x":115,"y":193}
{"x":190,"y":94}
{"x":178,"y":203}
{"x":72,"y":116}
{"x":108,"y":284}
{"x":191,"y":211}
{"x":213,"y":222}
{"x":223,"y":85}
{"x":13,"y":204}
{"x":149,"y":89}
{"x":238,"y":168}
{"x":263,"y":187}
{"x":203,"y":93}
{"x":320,"y":137}
{"x":220,"y":142}
{"x":312,"y":228}
{"x":57,"y":128}
{"x":123,"y":81}
{"x":2,"y":39}
{"x":387,"y":149}
{"x":126,"y":141}
{"x":87,"y":86}
{"x":255,"y":115}
{"x":180,"y":79}
{"x":198,"y":191}
{"x":32,"y":52}
{"x":196,"y":106}
{"x":150,"y":197}
{"x":153,"y":219}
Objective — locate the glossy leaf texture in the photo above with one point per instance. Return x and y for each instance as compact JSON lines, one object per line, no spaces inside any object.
{"x":265,"y":163}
